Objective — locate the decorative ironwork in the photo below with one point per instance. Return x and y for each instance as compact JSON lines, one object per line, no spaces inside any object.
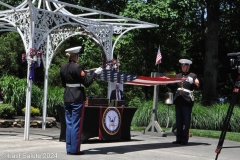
{"x":48,"y":21}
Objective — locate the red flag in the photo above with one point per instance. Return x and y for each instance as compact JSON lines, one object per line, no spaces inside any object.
{"x":159,"y":56}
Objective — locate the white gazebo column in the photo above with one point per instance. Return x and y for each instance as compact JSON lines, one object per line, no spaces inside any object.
{"x":44,"y":114}
{"x":28,"y":103}
{"x":29,"y":81}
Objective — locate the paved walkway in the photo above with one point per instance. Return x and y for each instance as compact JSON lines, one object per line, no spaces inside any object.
{"x":44,"y":144}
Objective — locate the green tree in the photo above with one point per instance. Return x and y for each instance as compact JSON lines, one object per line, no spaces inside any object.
{"x":211,"y":52}
{"x":11,"y":55}
{"x":13,"y":3}
{"x":221,"y":37}
{"x":204,"y":31}
{"x":177,"y":35}
{"x":110,"y":6}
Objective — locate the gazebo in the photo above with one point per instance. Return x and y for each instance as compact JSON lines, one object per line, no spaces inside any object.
{"x":45,"y":24}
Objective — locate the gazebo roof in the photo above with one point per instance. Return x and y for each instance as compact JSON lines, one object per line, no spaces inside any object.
{"x":80,"y":13}
{"x":56,"y":18}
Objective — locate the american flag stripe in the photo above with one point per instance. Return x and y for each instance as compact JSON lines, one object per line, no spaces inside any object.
{"x":151,"y":81}
{"x":139,"y":84}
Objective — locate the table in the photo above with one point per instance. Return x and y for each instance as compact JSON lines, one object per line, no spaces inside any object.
{"x":106,"y":123}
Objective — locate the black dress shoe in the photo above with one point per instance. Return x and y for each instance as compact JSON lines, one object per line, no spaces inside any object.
{"x":176,"y":142}
{"x":78,"y":153}
{"x":62,"y":140}
{"x":184,"y":143}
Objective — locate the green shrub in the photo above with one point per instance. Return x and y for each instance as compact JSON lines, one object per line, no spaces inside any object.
{"x":34,"y":111}
{"x":14,"y":92}
{"x":7,"y":111}
{"x":135,"y":102}
{"x":206,"y":118}
{"x":55,"y":97}
{"x":143,"y":114}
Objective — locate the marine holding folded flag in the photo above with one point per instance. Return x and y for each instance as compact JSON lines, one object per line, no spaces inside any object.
{"x":184,"y":101}
{"x":74,"y":80}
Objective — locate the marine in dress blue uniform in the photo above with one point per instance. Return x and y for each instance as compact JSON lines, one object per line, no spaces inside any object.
{"x":74,"y":80}
{"x":184,"y":101}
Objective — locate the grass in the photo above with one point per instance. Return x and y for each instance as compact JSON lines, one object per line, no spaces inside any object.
{"x":232,"y":136}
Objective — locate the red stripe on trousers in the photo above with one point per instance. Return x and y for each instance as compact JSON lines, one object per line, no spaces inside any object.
{"x":100,"y":122}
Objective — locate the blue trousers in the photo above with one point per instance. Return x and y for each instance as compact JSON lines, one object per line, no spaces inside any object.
{"x":74,"y":114}
{"x":183,"y":118}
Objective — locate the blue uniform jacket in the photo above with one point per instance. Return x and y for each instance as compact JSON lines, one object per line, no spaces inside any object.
{"x":73,"y":73}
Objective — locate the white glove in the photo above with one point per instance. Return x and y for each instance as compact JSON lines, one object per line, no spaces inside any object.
{"x":190,"y":80}
{"x":98,"y":70}
{"x":108,"y":67}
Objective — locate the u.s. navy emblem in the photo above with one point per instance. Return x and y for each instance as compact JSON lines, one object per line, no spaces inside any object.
{"x":111,"y":121}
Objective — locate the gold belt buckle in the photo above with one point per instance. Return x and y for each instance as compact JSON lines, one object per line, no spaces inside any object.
{"x":182,"y":88}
